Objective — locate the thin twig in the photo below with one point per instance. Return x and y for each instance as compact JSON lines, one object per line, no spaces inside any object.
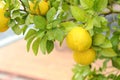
{"x":23,"y":5}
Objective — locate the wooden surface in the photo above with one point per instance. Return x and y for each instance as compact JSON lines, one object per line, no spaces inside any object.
{"x":55,"y":66}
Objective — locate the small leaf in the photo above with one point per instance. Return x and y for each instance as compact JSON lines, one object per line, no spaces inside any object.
{"x":108,"y":52}
{"x":50,"y":35}
{"x":115,"y":42}
{"x":11,"y":23}
{"x":87,"y":4}
{"x":49,"y":46}
{"x":78,"y":13}
{"x":29,"y":41}
{"x":40,"y":34}
{"x":107,"y":44}
{"x":116,"y":62}
{"x":49,"y":26}
{"x":29,"y":19}
{"x":35,"y":46}
{"x":30,"y":33}
{"x":80,"y":72}
{"x":90,"y":24}
{"x":24,"y":28}
{"x":99,"y":5}
{"x":59,"y":35}
{"x":50,"y":14}
{"x":39,"y":22}
{"x":16,"y":29}
{"x":68,"y":26}
{"x":43,"y":43}
{"x":98,"y":39}
{"x":15,"y":14}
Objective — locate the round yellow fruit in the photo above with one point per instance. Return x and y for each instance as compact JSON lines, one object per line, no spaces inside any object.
{"x":40,"y":9}
{"x":3,"y":20}
{"x":78,"y":39}
{"x":85,"y":57}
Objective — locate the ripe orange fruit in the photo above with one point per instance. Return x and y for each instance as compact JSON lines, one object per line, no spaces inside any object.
{"x":78,"y":39}
{"x":84,"y":57}
{"x":40,"y":9}
{"x":3,"y":20}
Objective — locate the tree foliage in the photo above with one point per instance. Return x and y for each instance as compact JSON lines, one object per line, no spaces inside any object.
{"x":99,"y":17}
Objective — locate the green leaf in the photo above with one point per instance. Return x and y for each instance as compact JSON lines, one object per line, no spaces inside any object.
{"x":49,"y":46}
{"x":50,"y":35}
{"x":11,"y":23}
{"x":78,"y":13}
{"x":30,"y":33}
{"x":51,"y":14}
{"x":24,"y":28}
{"x":68,"y":26}
{"x":29,"y":41}
{"x":43,"y":43}
{"x":107,"y":44}
{"x":87,"y":4}
{"x":49,"y":26}
{"x":16,"y":29}
{"x":29,"y":19}
{"x":56,"y":23}
{"x":80,"y":72}
{"x":116,"y":62}
{"x":97,"y":21}
{"x":98,"y":39}
{"x":90,"y":24}
{"x":59,"y":35}
{"x":108,"y":52}
{"x":40,"y":34}
{"x":39,"y":22}
{"x":99,"y":5}
{"x":15,"y":14}
{"x":115,"y":42}
{"x":35,"y":46}
{"x":99,"y":77}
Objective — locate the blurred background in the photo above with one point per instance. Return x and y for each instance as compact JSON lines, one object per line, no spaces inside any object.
{"x":18,"y":64}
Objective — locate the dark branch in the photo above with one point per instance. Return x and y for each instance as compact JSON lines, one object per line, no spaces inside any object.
{"x":23,"y":5}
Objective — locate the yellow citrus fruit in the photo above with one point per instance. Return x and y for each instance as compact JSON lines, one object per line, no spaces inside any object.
{"x":84,"y":57}
{"x":78,"y":39}
{"x":3,"y":20}
{"x":40,"y":9}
